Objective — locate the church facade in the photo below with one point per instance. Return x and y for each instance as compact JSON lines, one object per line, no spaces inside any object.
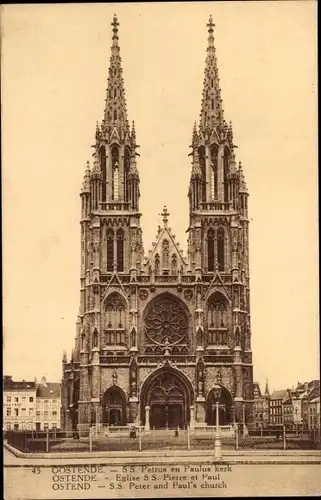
{"x":157,"y":333}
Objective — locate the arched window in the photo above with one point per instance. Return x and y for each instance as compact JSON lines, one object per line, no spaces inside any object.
{"x":212,"y":103}
{"x":214,"y":171}
{"x":165,"y":248}
{"x":102,"y":156}
{"x":120,"y":250}
{"x":115,"y":114}
{"x":217,"y":319}
{"x":115,"y":320}
{"x":126,"y":171}
{"x":110,"y":250}
{"x":115,"y":171}
{"x":201,"y":153}
{"x":95,"y":338}
{"x":225,"y":173}
{"x":157,"y":262}
{"x":210,"y":250}
{"x":115,"y":92}
{"x":220,"y":248}
{"x":174,"y":264}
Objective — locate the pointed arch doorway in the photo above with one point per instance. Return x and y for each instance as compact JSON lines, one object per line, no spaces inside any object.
{"x":169,"y":395}
{"x":114,"y":406}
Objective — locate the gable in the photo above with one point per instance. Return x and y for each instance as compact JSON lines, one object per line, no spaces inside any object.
{"x":167,"y":250}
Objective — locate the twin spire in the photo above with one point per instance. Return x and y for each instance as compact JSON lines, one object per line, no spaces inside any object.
{"x":211,"y":110}
{"x":115,"y":114}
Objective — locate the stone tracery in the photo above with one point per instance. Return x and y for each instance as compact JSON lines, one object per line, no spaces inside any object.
{"x":166,"y":320}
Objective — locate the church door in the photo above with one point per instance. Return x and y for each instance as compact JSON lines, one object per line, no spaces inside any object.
{"x":168,"y":403}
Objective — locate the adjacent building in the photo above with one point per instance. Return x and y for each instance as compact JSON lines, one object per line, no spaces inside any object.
{"x":261,"y":405}
{"x":19,"y":404}
{"x":47,"y":405}
{"x":30,"y":406}
{"x":157,"y":332}
{"x":276,"y":406}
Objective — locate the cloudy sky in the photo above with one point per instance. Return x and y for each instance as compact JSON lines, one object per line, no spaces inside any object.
{"x":54,"y":72}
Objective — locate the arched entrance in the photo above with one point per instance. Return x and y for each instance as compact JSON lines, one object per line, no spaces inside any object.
{"x":225,"y":407}
{"x":114,"y":406}
{"x":168,"y":394}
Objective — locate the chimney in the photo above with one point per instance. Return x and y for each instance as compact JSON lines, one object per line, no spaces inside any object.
{"x":44,"y":381}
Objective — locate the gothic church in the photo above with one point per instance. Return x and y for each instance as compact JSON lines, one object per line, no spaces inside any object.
{"x":157,"y":332}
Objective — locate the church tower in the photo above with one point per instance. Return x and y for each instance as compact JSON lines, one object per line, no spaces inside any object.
{"x":158,"y":334}
{"x":218,"y":235}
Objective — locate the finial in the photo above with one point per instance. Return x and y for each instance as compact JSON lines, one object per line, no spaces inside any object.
{"x":133,"y":134}
{"x":64,"y":357}
{"x":210,"y":25}
{"x":240,"y":165}
{"x":115,"y":25}
{"x":165,"y":214}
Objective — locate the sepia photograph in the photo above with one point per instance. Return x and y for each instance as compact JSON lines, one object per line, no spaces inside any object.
{"x":160,"y":250}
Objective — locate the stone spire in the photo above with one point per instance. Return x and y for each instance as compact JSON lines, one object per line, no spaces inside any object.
{"x":243,"y":187}
{"x":86,"y":180}
{"x":267,"y":392}
{"x":211,"y":110}
{"x":115,"y":110}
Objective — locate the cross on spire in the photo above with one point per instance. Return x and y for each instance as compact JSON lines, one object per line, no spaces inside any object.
{"x":165,"y":214}
{"x":115,"y":25}
{"x":210,"y":25}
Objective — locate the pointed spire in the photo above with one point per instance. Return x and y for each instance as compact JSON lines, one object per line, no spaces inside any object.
{"x":243,"y":188}
{"x":115,"y":110}
{"x":133,"y":133}
{"x":196,"y":169}
{"x":195,"y":135}
{"x":96,"y":172}
{"x":98,"y":133}
{"x":211,"y":110}
{"x":267,"y":392}
{"x":133,"y":170}
{"x":86,"y":180}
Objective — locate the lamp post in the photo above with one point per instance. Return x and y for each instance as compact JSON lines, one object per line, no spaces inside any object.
{"x":296,"y":420}
{"x":217,"y":440}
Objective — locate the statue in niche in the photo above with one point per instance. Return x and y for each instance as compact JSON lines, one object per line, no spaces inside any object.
{"x":114,"y":377}
{"x":237,"y":337}
{"x":133,"y":337}
{"x":95,"y":338}
{"x":200,"y":337}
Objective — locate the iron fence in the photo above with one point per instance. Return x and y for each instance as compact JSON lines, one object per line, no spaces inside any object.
{"x":137,"y":438}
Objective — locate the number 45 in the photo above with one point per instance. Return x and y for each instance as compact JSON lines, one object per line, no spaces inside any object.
{"x":35,"y":470}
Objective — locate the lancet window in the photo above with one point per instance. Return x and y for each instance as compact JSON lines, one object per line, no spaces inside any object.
{"x":217,"y":319}
{"x":110,"y":250}
{"x":115,"y":320}
{"x":102,"y":155}
{"x":220,"y":249}
{"x":225,"y":173}
{"x":214,"y":172}
{"x":201,"y":154}
{"x":120,"y":250}
{"x":210,"y":250}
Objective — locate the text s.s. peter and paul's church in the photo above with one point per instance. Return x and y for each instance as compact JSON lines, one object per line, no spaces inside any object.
{"x":156,"y":333}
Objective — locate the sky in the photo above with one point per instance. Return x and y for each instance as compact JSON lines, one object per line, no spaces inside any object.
{"x":55,"y":62}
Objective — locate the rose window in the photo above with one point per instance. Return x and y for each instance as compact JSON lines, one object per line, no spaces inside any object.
{"x":166,"y":322}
